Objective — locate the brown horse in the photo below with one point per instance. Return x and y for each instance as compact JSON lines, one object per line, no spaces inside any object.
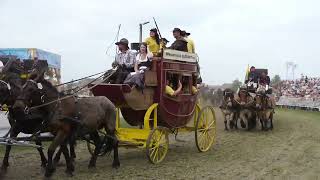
{"x":89,"y":115}
{"x":265,"y":113}
{"x":247,"y":114}
{"x":230,"y":110}
{"x":10,"y":89}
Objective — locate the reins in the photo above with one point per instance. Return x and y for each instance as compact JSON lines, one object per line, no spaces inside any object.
{"x":72,"y":95}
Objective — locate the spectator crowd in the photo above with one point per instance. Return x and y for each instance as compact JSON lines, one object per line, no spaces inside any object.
{"x":305,"y":88}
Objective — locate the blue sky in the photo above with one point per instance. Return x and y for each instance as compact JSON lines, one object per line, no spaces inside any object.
{"x":228,"y":34}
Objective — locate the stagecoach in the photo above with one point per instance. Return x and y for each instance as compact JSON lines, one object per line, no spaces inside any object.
{"x":158,"y":114}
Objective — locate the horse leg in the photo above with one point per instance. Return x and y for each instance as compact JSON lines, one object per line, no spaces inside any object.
{"x":115,"y":143}
{"x":261,"y":122}
{"x":42,"y":156}
{"x":236,"y":117}
{"x":97,"y":142}
{"x":70,"y":166}
{"x":72,"y":144}
{"x":57,"y":141}
{"x":231,"y":122}
{"x":5,"y":162}
{"x":57,"y":156}
{"x":225,"y":123}
{"x":242,"y":123}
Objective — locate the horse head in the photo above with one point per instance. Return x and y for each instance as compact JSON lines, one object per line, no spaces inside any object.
{"x":34,"y":93}
{"x":228,"y":97}
{"x":260,"y":100}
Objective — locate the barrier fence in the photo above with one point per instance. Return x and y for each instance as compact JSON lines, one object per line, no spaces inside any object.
{"x":299,"y":103}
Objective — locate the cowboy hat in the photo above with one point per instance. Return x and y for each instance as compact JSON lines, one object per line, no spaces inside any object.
{"x":123,"y":41}
{"x":184,"y":33}
{"x":177,"y":29}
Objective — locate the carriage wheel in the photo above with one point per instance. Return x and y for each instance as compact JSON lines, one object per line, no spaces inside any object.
{"x":157,"y":145}
{"x":205,"y":129}
{"x":91,"y":146}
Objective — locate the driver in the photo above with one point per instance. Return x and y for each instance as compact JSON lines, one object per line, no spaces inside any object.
{"x":124,"y":62}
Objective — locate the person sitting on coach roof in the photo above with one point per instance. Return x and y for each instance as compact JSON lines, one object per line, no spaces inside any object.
{"x":153,"y":42}
{"x":190,"y":45}
{"x":180,"y":43}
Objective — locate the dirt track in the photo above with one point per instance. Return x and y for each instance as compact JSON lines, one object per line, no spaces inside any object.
{"x":290,"y":151}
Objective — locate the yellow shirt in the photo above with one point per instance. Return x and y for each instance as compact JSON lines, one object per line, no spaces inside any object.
{"x":194,"y":90}
{"x":190,"y":45}
{"x":169,"y":90}
{"x":152,"y":45}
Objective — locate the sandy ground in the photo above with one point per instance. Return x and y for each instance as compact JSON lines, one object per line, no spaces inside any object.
{"x":290,"y":151}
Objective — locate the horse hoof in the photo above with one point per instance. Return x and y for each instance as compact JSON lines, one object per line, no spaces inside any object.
{"x":43,"y":165}
{"x":226,"y":129}
{"x":56,"y":160}
{"x":243,"y":125}
{"x":49,"y":172}
{"x":4,"y":168}
{"x":116,"y":165}
{"x":69,"y":172}
{"x":91,"y":166}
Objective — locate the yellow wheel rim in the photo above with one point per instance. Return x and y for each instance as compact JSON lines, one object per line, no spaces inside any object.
{"x":205,"y":130}
{"x":157,"y":145}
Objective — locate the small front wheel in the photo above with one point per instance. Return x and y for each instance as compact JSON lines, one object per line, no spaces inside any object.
{"x":205,"y":129}
{"x":157,"y":145}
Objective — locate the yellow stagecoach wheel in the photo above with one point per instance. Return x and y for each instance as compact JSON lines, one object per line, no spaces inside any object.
{"x":205,"y":129}
{"x":157,"y":145}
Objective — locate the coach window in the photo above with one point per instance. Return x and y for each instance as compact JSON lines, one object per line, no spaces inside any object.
{"x":186,"y":80}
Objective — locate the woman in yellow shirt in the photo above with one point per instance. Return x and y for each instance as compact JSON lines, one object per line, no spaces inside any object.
{"x":153,"y":42}
{"x":172,"y":92}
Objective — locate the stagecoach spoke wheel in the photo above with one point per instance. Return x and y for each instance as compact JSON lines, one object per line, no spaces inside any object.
{"x":205,"y":129}
{"x":157,"y":145}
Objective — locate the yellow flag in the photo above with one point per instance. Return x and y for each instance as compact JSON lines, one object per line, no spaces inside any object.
{"x":247,"y":73}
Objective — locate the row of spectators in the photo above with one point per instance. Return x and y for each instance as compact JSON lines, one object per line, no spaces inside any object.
{"x":305,"y":88}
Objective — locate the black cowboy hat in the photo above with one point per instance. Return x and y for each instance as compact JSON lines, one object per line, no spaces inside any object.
{"x":123,"y":41}
{"x":184,"y":33}
{"x":154,"y":30}
{"x":177,"y":29}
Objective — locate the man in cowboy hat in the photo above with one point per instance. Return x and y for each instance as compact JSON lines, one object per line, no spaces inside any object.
{"x":190,"y":45}
{"x":124,"y":62}
{"x":180,"y":43}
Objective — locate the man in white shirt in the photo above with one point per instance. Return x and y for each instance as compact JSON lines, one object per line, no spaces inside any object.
{"x":124,"y":62}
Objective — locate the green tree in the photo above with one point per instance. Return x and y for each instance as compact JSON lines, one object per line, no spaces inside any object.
{"x":236,"y":85}
{"x":275,"y":80}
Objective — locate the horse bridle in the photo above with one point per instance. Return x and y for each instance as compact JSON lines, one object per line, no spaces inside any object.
{"x":39,"y":86}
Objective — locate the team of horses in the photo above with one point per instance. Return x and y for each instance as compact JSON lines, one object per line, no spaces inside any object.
{"x":248,"y":108}
{"x":36,"y":106}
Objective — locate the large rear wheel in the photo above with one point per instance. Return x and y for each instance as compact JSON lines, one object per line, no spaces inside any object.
{"x":157,"y":145}
{"x":205,"y":129}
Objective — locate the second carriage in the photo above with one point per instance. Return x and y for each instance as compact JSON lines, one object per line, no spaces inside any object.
{"x":158,"y":114}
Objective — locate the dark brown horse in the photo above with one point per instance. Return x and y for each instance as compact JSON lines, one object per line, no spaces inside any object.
{"x":89,"y":115}
{"x":10,"y":89}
